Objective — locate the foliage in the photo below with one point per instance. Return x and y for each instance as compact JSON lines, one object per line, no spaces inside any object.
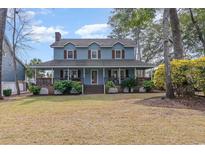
{"x":128,"y":83}
{"x":77,"y":86}
{"x":148,"y":85}
{"x":34,"y":89}
{"x":63,"y":86}
{"x":30,"y":72}
{"x":7,"y":92}
{"x":109,"y":84}
{"x":187,"y":76}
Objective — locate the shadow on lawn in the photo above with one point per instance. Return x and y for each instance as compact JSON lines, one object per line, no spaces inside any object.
{"x":194,"y":103}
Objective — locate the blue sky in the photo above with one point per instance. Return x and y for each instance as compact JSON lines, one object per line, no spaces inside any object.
{"x":72,"y":23}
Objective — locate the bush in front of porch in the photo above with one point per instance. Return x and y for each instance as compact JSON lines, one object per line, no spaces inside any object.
{"x":68,"y":87}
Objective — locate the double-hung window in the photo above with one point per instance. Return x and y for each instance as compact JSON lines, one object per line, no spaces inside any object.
{"x":70,"y":55}
{"x":94,"y":54}
{"x":118,"y":54}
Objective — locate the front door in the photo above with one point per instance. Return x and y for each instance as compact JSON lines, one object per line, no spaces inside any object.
{"x":94,"y":77}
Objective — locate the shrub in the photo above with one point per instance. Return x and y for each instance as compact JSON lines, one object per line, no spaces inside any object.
{"x":7,"y":92}
{"x":129,"y":83}
{"x":77,"y":86}
{"x":187,"y":75}
{"x":148,"y":85}
{"x":63,"y":86}
{"x":109,"y":84}
{"x":34,"y":89}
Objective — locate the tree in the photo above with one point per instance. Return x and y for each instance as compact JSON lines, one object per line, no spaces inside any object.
{"x":130,"y":23}
{"x":168,"y":81}
{"x":176,"y":34}
{"x":198,"y":29}
{"x":30,"y":72}
{"x":20,"y":35}
{"x":3,"y":13}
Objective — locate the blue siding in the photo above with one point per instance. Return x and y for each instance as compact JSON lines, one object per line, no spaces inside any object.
{"x":8,"y":68}
{"x":106,"y":52}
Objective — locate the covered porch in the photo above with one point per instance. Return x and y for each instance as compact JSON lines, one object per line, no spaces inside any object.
{"x":92,"y":79}
{"x":92,"y":74}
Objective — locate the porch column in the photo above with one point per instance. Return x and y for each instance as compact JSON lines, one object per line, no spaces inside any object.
{"x":83,"y":80}
{"x":35,"y":75}
{"x":104,"y":79}
{"x":52,"y":75}
{"x":119,"y":76}
{"x":135,"y":73}
{"x":68,"y":74}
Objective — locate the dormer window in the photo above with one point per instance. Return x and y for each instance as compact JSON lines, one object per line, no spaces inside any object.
{"x":94,"y":54}
{"x":70,"y":55}
{"x":118,"y":54}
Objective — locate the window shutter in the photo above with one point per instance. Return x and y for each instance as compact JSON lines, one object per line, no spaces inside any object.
{"x":61,"y":74}
{"x":123,"y":54}
{"x":89,"y":54}
{"x":113,"y":54}
{"x":79,"y":74}
{"x":75,"y":54}
{"x":99,"y":54}
{"x":127,"y":73}
{"x":65,"y":54}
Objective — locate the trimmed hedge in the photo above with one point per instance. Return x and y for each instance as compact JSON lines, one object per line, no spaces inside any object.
{"x":7,"y":92}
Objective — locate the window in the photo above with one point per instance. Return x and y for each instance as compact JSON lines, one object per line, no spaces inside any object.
{"x":73,"y":74}
{"x":94,"y":54}
{"x":118,"y":54}
{"x":122,"y":74}
{"x":70,"y":54}
{"x":114,"y":73}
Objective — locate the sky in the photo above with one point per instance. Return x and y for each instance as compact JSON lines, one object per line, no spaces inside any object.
{"x":71,"y":23}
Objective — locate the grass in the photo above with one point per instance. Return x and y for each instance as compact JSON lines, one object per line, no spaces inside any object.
{"x":97,"y":119}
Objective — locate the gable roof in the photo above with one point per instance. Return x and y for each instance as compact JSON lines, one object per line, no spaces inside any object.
{"x":108,"y":42}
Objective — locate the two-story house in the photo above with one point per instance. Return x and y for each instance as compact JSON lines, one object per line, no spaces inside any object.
{"x":93,"y":61}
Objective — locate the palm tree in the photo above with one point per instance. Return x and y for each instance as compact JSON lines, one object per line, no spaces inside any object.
{"x":3,"y":13}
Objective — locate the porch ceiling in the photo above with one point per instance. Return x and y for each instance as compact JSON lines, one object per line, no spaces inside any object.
{"x":93,"y":63}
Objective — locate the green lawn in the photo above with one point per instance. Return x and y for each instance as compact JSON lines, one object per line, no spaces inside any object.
{"x":97,"y":119}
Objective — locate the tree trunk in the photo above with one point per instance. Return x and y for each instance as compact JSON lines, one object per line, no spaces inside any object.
{"x":168,"y":81}
{"x":137,"y":40}
{"x":3,"y":13}
{"x":14,"y":53}
{"x":200,"y":34}
{"x":176,"y":34}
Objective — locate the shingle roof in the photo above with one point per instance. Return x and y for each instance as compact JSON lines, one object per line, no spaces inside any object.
{"x":87,"y":42}
{"x":93,"y":63}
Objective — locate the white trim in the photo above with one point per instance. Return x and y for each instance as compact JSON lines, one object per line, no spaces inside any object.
{"x":71,"y":72}
{"x":72,"y":54}
{"x":104,"y":80}
{"x":120,"y":53}
{"x":124,"y":70}
{"x":91,"y":76}
{"x":118,"y":42}
{"x":45,"y":67}
{"x":112,"y":70}
{"x":65,"y":44}
{"x":94,"y":42}
{"x":87,"y":46}
{"x":94,"y":50}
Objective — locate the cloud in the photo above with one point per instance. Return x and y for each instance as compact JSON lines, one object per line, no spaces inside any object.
{"x":94,"y":31}
{"x":45,"y":34}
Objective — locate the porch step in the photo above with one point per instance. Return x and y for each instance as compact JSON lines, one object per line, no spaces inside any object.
{"x":93,"y":89}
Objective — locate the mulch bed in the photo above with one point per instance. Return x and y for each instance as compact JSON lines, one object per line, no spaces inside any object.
{"x":196,"y":102}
